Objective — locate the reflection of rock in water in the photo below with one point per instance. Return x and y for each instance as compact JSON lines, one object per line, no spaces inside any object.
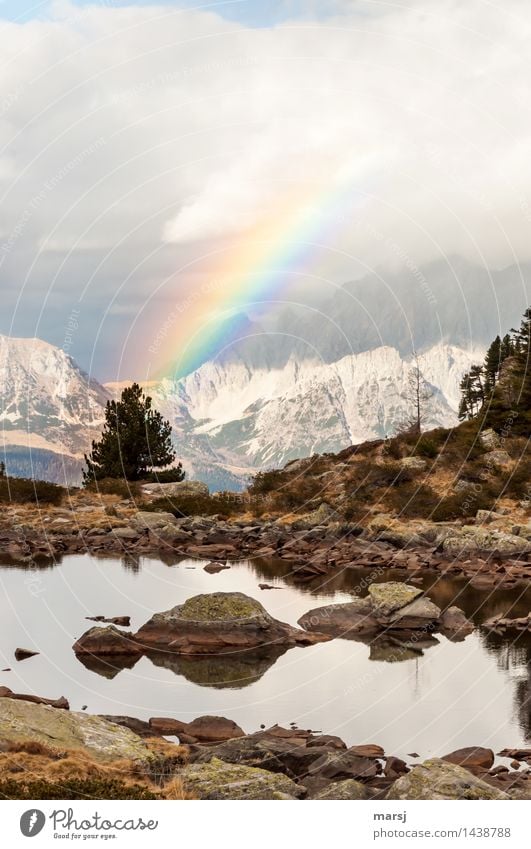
{"x":235,"y":670}
{"x":108,"y":667}
{"x":393,"y":650}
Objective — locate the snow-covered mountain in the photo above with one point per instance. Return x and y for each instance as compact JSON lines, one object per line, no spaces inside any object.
{"x":267,"y":417}
{"x":300,"y":381}
{"x":50,"y":410}
{"x":228,"y":419}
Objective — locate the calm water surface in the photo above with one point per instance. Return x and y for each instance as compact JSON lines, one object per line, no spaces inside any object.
{"x":475,"y":692}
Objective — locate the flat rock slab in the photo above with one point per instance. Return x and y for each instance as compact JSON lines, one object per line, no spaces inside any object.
{"x":391,"y":596}
{"x":341,"y":620}
{"x":437,"y":779}
{"x":62,"y":729}
{"x":219,"y":780}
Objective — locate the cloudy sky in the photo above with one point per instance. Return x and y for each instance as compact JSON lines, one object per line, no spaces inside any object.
{"x":147,"y":149}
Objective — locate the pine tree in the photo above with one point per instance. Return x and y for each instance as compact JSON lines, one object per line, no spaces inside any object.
{"x":506,"y":348}
{"x":492,"y":365}
{"x":135,"y":440}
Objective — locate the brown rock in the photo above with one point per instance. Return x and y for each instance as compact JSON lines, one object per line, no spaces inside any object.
{"x":23,"y":654}
{"x":106,"y":641}
{"x":369,"y":750}
{"x":328,"y":740}
{"x":338,"y":765}
{"x":213,"y":568}
{"x":454,"y":624}
{"x":341,"y":620}
{"x":204,"y":729}
{"x":395,"y":767}
{"x":113,"y":620}
{"x":60,"y":703}
{"x":474,"y":758}
{"x":219,"y":623}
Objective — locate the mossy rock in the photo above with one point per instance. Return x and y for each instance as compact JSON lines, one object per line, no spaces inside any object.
{"x":219,"y":780}
{"x":437,"y":779}
{"x":340,"y":790}
{"x":391,"y":596}
{"x":221,"y":607}
{"x":62,"y":729}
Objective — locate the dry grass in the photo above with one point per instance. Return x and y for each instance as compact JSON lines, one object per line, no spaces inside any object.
{"x":30,"y":762}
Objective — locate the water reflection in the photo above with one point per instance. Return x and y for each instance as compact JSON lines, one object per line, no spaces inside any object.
{"x":381,"y":691}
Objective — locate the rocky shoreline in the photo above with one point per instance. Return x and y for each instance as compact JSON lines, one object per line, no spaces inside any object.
{"x":215,"y":759}
{"x":492,"y":552}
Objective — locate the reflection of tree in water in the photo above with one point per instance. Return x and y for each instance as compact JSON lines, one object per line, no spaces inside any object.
{"x":513,"y":655}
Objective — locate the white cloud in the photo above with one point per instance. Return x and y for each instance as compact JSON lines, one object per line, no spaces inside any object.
{"x":208,"y":127}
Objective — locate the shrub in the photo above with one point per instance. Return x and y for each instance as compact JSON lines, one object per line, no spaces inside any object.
{"x":73,"y":788}
{"x":115,"y":486}
{"x":427,"y":447}
{"x":224,"y":504}
{"x":266,"y":482}
{"x":26,"y":491}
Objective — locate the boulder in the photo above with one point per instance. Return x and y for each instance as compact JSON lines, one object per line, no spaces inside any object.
{"x":437,"y":779}
{"x":219,"y":780}
{"x":347,"y":764}
{"x":341,"y":620}
{"x":418,"y":614}
{"x":146,"y":520}
{"x":204,"y":729}
{"x":322,"y":516}
{"x":100,"y":641}
{"x":454,"y":624}
{"x":498,"y":457}
{"x":489,"y":439}
{"x":391,"y":596}
{"x":172,"y":490}
{"x":125,"y":533}
{"x":415,"y":464}
{"x":470,"y":538}
{"x":347,"y":789}
{"x":474,"y":758}
{"x":219,"y":623}
{"x":62,"y":729}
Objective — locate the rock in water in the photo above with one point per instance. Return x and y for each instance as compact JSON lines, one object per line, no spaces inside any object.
{"x":23,"y":654}
{"x":455,"y":625}
{"x":436,"y":779}
{"x":391,"y":596}
{"x":341,"y":620}
{"x":474,"y":758}
{"x":98,"y":641}
{"x":219,"y":623}
{"x":62,"y":729}
{"x":213,"y":568}
{"x":61,"y":703}
{"x":219,"y":780}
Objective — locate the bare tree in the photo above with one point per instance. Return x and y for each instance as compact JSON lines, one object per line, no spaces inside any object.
{"x":417,"y":395}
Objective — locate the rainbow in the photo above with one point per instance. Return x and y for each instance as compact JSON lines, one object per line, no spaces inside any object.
{"x":278,"y":249}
